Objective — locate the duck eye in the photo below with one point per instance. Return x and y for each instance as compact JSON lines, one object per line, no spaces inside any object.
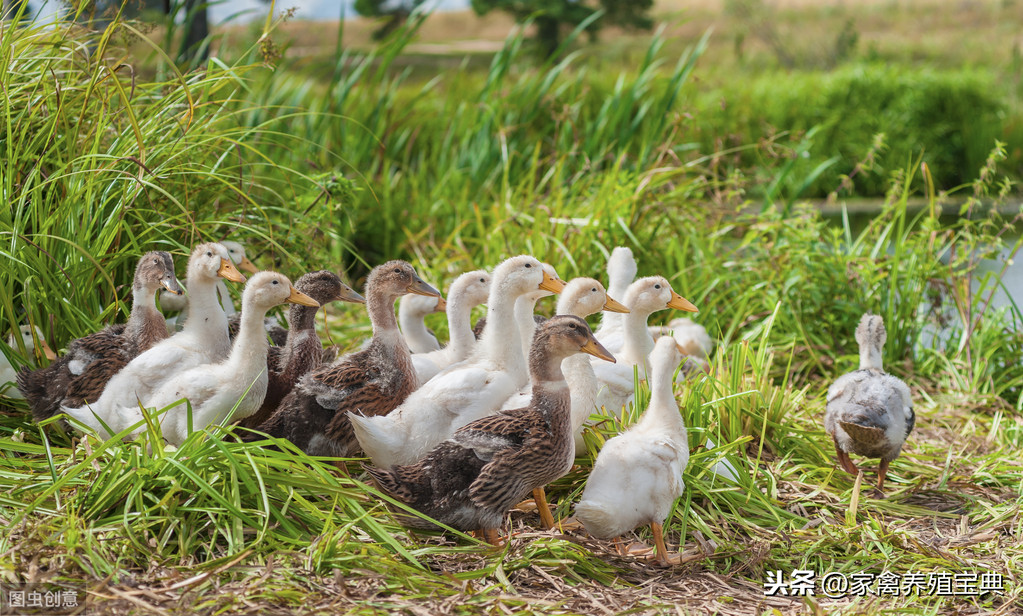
{"x":397,"y":270}
{"x":481,"y":280}
{"x":209,"y":254}
{"x":593,"y":290}
{"x":274,"y":282}
{"x":657,"y":286}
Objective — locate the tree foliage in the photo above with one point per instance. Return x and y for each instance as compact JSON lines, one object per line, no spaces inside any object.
{"x":396,"y":12}
{"x":551,"y":16}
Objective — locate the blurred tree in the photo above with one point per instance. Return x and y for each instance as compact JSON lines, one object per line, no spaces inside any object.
{"x":396,"y":11}
{"x":550,"y":15}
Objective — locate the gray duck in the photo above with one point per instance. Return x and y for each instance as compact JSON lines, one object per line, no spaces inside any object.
{"x":869,"y":412}
{"x":473,"y":479}
{"x":373,"y":381}
{"x":80,"y":375}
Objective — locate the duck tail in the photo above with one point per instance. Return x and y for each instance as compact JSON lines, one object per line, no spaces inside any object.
{"x":388,"y":482}
{"x":380,"y":436}
{"x":598,"y":519}
{"x":863,"y":434}
{"x":32,"y":385}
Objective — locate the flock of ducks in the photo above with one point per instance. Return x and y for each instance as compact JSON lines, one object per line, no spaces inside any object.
{"x":461,"y":432}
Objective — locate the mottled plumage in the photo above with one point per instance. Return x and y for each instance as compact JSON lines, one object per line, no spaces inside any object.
{"x":471,"y":480}
{"x":869,"y":412}
{"x":302,"y":350}
{"x":372,"y":381}
{"x":81,"y":374}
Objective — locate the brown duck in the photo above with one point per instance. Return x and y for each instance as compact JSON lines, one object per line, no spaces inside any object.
{"x":302,"y":350}
{"x":373,"y":381}
{"x":471,"y":480}
{"x":80,"y":375}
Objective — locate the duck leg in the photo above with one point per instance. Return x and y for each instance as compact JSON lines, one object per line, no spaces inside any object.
{"x":844,"y":460}
{"x":546,"y":518}
{"x":882,"y":474}
{"x":662,"y":550}
{"x":491,"y":536}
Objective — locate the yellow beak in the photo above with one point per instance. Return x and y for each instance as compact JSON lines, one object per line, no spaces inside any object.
{"x":298,"y":297}
{"x":552,"y":284}
{"x":47,"y":351}
{"x":612,"y":306}
{"x":442,"y":305}
{"x":248,"y":266}
{"x":595,"y":349}
{"x":680,"y":303}
{"x":229,"y":272}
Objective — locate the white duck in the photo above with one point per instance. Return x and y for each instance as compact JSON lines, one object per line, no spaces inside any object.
{"x":696,"y":343}
{"x":412,"y":309}
{"x":464,"y":391}
{"x":638,"y":474}
{"x":621,"y":271}
{"x":581,"y":297}
{"x":525,"y":309}
{"x":214,"y":390}
{"x":467,"y":291}
{"x":7,"y":371}
{"x":869,"y":412}
{"x":179,"y":302}
{"x":202,"y":341}
{"x":644,"y":297}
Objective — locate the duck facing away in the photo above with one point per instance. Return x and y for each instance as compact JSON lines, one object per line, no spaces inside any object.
{"x":465,"y":391}
{"x":467,"y":291}
{"x":203,"y":340}
{"x":473,"y":479}
{"x":412,"y":309}
{"x":373,"y":381}
{"x":81,"y":374}
{"x":869,"y":412}
{"x":638,"y":474}
{"x":29,"y":336}
{"x":302,"y":350}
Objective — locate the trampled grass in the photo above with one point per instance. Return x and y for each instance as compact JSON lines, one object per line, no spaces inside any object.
{"x":113,"y":165}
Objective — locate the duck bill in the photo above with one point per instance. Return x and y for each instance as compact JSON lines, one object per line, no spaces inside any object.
{"x":552,"y":284}
{"x":348,"y":294}
{"x":46,"y":350}
{"x":172,"y":286}
{"x":419,"y":287}
{"x":248,"y":266}
{"x":442,"y":305}
{"x":597,"y":350}
{"x":298,"y":297}
{"x":680,"y":303}
{"x":228,"y":271}
{"x":613,"y":306}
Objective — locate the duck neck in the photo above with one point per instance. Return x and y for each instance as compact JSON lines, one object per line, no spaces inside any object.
{"x":870,"y":358}
{"x":205,"y":314}
{"x":550,"y":389}
{"x":413,"y":327}
{"x":663,"y":408}
{"x":525,"y":306}
{"x":461,"y":340}
{"x":248,"y":355}
{"x":225,"y":297}
{"x":638,"y":342}
{"x":145,"y":325}
{"x":501,"y":328}
{"x":582,"y":385}
{"x":380,"y":306}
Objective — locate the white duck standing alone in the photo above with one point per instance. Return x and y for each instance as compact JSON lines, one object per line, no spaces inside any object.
{"x":467,"y":291}
{"x":203,"y":340}
{"x":464,"y":391}
{"x":869,"y":412}
{"x":412,"y":309}
{"x":7,"y":372}
{"x":638,"y":474}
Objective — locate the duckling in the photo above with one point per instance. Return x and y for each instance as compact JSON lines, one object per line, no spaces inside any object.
{"x":472,"y":480}
{"x":373,"y":381}
{"x":621,"y":271}
{"x":411,"y":311}
{"x":29,"y":335}
{"x":234,"y":387}
{"x":302,"y":351}
{"x":644,"y":297}
{"x":204,"y":340}
{"x":81,"y":374}
{"x":869,"y":411}
{"x":638,"y":474}
{"x":464,"y":391}
{"x":179,"y":303}
{"x":467,"y":291}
